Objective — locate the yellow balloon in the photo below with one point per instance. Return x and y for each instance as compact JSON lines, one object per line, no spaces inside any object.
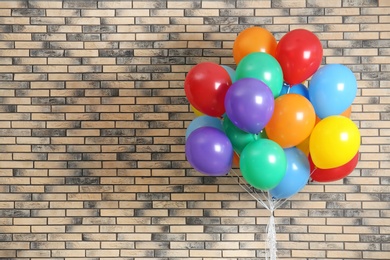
{"x":335,"y":140}
{"x":196,"y":111}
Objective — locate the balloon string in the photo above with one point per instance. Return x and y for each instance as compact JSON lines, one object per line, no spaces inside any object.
{"x":280,"y":202}
{"x":247,"y":188}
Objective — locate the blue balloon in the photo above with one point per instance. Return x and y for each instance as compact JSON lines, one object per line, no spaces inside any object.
{"x":296,"y":176}
{"x":203,"y":121}
{"x":285,"y":89}
{"x":299,"y":89}
{"x":232,"y":72}
{"x":332,"y":90}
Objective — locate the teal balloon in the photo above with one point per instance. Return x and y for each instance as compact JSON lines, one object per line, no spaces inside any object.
{"x":263,"y":164}
{"x":237,"y":137}
{"x":232,"y":72}
{"x":296,"y":177}
{"x":264,"y":67}
{"x":203,"y":121}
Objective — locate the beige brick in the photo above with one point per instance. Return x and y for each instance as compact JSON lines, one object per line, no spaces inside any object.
{"x":14,"y":20}
{"x":14,"y":53}
{"x":98,"y":13}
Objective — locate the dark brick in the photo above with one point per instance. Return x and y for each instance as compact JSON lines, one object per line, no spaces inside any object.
{"x":117,"y":132}
{"x":328,"y":196}
{"x":116,"y":53}
{"x":47,"y":101}
{"x":8,"y":108}
{"x":326,"y":213}
{"x":220,"y":229}
{"x":5,"y":237}
{"x":47,"y":53}
{"x":13,"y":213}
{"x":204,"y":221}
{"x":153,"y":196}
{"x":255,"y":20}
{"x":359,"y":3}
{"x":99,"y":28}
{"x":28,"y":12}
{"x":376,"y":43}
{"x":83,"y":37}
{"x":168,"y":237}
{"x":168,"y":60}
{"x":7,"y":28}
{"x":82,"y":180}
{"x":79,"y":4}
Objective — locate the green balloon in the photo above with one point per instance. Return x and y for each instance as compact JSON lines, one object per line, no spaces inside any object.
{"x":263,"y":164}
{"x":237,"y":137}
{"x":264,"y":67}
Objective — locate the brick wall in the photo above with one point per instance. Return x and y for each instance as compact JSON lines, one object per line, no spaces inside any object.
{"x":93,"y":116}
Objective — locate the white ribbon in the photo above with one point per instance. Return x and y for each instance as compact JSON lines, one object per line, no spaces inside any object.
{"x":271,"y":238}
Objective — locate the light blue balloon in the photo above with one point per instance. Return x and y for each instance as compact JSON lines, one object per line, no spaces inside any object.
{"x":296,"y":177}
{"x":232,"y":72}
{"x":332,"y":90}
{"x":203,"y":121}
{"x":299,"y":89}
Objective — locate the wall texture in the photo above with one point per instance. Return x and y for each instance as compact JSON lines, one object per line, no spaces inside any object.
{"x":93,"y":116}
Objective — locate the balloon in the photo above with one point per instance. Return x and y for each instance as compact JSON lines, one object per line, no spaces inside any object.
{"x":249,"y":104}
{"x":202,"y":121}
{"x":264,"y":67}
{"x":335,"y":140}
{"x":332,"y":90}
{"x":301,"y":90}
{"x":295,"y":89}
{"x":196,"y":111}
{"x":292,"y":121}
{"x":263,"y":164}
{"x":347,"y":112}
{"x":205,"y":86}
{"x":232,"y":72}
{"x":236,"y":160}
{"x":296,"y":177}
{"x":333,"y":174}
{"x":209,"y":151}
{"x":304,"y":146}
{"x":285,"y":89}
{"x":237,"y":137}
{"x":253,"y":39}
{"x":299,"y":53}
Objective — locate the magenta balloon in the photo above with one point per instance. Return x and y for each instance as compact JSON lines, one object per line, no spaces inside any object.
{"x":249,"y":104}
{"x":209,"y":151}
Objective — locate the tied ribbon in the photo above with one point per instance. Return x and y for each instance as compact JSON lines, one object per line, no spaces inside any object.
{"x":271,"y":239}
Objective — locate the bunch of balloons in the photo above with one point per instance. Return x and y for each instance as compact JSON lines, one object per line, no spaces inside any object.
{"x":263,"y":119}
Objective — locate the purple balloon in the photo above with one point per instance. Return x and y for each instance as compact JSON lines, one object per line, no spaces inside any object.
{"x":209,"y":151}
{"x":249,"y":104}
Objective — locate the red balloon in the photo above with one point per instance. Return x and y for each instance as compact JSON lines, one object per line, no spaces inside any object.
{"x":333,"y":174}
{"x":299,"y":53}
{"x":205,"y":86}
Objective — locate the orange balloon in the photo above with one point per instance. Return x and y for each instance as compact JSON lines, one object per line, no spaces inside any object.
{"x":292,"y":121}
{"x":347,"y":112}
{"x":253,"y":39}
{"x":304,"y":146}
{"x":236,"y":160}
